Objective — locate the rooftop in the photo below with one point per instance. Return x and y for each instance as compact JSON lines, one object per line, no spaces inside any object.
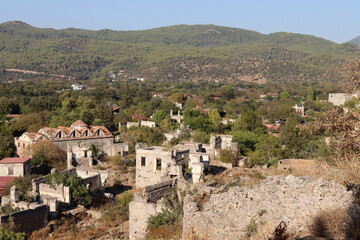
{"x":15,"y":160}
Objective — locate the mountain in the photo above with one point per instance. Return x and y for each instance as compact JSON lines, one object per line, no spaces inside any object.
{"x":181,"y":52}
{"x":356,"y":41}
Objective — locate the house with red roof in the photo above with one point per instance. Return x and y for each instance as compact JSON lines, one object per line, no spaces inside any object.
{"x":11,"y":168}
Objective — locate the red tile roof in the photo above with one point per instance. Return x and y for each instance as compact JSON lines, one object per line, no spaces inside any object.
{"x":139,"y":117}
{"x":6,"y":180}
{"x":79,"y":123}
{"x":15,"y":160}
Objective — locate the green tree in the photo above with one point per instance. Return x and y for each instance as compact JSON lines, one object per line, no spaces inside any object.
{"x":79,"y":192}
{"x":201,"y":137}
{"x":215,"y":119}
{"x":159,"y":116}
{"x":290,"y":137}
{"x":248,"y":121}
{"x":197,"y":120}
{"x":310,"y":94}
{"x":8,"y":233}
{"x":284,"y":95}
{"x":7,"y":147}
{"x":268,"y":150}
{"x":246,"y":141}
{"x":5,"y":106}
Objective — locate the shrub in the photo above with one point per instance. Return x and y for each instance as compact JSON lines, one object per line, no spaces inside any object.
{"x":8,"y":233}
{"x":168,"y":223}
{"x":79,"y":192}
{"x":227,"y":156}
{"x":280,"y":232}
{"x":118,"y":211}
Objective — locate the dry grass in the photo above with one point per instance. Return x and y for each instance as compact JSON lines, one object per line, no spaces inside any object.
{"x":336,"y":224}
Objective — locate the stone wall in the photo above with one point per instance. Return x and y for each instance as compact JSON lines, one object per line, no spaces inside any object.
{"x":221,"y":142}
{"x":156,"y":192}
{"x":140,"y":210}
{"x":60,"y":192}
{"x":295,"y":200}
{"x":340,"y":98}
{"x":104,"y":144}
{"x":85,"y":173}
{"x":28,"y":220}
{"x":147,"y":172}
{"x":15,"y":169}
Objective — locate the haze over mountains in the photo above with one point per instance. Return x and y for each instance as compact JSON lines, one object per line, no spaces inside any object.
{"x":181,"y":52}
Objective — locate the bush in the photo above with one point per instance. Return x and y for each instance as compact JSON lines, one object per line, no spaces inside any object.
{"x":280,"y":232}
{"x":79,"y":192}
{"x":8,"y":233}
{"x":118,"y":211}
{"x":201,"y":137}
{"x":168,"y":223}
{"x":227,"y":156}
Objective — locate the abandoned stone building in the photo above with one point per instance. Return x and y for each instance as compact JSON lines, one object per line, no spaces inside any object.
{"x":145,"y":204}
{"x":48,"y":198}
{"x":199,"y":158}
{"x":176,"y":117}
{"x":30,"y":217}
{"x":221,"y":142}
{"x":340,"y":98}
{"x":139,"y":123}
{"x":158,"y":164}
{"x":78,"y":134}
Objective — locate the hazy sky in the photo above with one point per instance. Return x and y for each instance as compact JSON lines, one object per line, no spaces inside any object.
{"x":338,"y":21}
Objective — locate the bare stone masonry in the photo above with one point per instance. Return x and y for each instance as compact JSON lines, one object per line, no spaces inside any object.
{"x":295,"y":200}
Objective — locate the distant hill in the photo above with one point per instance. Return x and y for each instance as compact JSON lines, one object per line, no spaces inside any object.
{"x":181,"y":52}
{"x":356,"y":41}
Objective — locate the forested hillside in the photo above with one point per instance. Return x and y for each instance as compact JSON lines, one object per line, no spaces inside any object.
{"x":179,"y":52}
{"x":356,"y":40}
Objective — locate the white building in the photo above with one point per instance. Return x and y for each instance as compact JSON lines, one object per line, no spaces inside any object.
{"x":77,"y":86}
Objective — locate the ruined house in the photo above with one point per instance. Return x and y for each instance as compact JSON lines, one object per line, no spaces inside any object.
{"x":139,"y":123}
{"x":78,"y":134}
{"x":30,"y":216}
{"x":340,"y":98}
{"x":199,"y":158}
{"x":221,"y":142}
{"x":176,"y":117}
{"x":158,"y":164}
{"x":145,"y":204}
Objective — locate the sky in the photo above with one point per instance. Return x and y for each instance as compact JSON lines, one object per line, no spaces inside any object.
{"x":335,"y":20}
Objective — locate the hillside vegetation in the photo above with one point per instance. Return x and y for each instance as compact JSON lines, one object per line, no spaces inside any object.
{"x":356,"y":41}
{"x":181,"y":52}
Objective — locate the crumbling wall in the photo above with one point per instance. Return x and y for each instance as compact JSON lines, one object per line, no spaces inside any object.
{"x":28,"y":220}
{"x":144,"y":205}
{"x":104,"y":144}
{"x":340,"y":98}
{"x":93,"y":183}
{"x":221,"y":142}
{"x":295,"y":200}
{"x":58,"y":191}
{"x":147,"y":172}
{"x":85,"y":173}
{"x":156,"y":192}
{"x":140,"y":210}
